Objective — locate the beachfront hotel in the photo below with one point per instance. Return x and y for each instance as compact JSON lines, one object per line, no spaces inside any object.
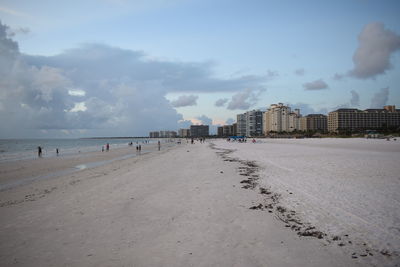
{"x":184,"y":132}
{"x":227,"y":130}
{"x":280,"y":118}
{"x":163,"y":134}
{"x":314,"y":122}
{"x":199,"y":130}
{"x":353,"y":120}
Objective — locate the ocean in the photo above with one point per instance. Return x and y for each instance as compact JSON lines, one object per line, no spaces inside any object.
{"x":19,"y":149}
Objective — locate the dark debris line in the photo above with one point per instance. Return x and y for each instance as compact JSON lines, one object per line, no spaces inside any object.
{"x":249,"y":169}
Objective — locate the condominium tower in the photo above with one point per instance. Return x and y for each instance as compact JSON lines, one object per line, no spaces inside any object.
{"x":280,"y":118}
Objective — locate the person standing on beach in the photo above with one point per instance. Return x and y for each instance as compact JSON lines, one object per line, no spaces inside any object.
{"x":107,"y":147}
{"x":39,"y":151}
{"x":57,"y":151}
{"x":159,"y":145}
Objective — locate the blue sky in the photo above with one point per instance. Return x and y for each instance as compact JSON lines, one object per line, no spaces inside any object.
{"x":247,"y":54}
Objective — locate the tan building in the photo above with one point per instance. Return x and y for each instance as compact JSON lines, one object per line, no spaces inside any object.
{"x":354,"y":120}
{"x":184,"y":132}
{"x":226,"y":130}
{"x":314,"y":122}
{"x":280,"y":118}
{"x":303,"y":123}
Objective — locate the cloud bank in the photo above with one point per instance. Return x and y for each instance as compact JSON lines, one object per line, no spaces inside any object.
{"x":99,"y":90}
{"x":376,"y":46}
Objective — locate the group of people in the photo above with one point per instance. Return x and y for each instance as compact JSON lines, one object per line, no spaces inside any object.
{"x":201,"y":139}
{"x":40,"y":151}
{"x":240,"y":140}
{"x":107,"y":147}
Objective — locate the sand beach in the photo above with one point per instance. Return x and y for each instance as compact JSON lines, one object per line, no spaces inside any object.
{"x":319,"y":202}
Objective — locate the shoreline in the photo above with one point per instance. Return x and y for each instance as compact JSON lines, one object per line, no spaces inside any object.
{"x":18,"y":172}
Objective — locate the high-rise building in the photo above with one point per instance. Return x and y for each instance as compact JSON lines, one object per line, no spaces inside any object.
{"x":184,"y":132}
{"x":241,"y":124}
{"x":220,"y":131}
{"x":234,"y":129}
{"x":314,"y":122}
{"x":354,"y":120}
{"x":199,"y":130}
{"x":227,"y":130}
{"x":154,"y":134}
{"x":317,"y":122}
{"x":163,"y":134}
{"x":280,"y":118}
{"x":254,"y":123}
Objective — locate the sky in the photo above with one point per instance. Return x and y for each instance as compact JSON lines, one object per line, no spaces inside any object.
{"x":123,"y":68}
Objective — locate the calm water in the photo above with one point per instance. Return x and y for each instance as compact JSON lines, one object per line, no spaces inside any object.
{"x":17,"y":149}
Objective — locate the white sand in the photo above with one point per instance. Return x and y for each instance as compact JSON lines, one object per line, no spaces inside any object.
{"x":181,"y":207}
{"x":341,"y":186}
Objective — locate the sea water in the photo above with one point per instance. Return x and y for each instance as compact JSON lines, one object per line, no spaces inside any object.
{"x":18,"y":149}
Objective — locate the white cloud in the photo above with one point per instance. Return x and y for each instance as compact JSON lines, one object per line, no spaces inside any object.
{"x":380,"y":98}
{"x":316,"y":85}
{"x":243,"y":100}
{"x":80,"y":106}
{"x":76,"y":92}
{"x":203,"y":119}
{"x":376,"y":46}
{"x":185,"y":101}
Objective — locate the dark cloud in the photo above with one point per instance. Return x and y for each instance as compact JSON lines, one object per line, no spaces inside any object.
{"x":122,"y":92}
{"x":355,"y":99}
{"x":338,"y":76}
{"x":380,"y":98}
{"x":300,"y":72}
{"x":316,"y":85}
{"x":376,"y":45}
{"x":185,"y":101}
{"x":220,"y":102}
{"x":244,"y":100}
